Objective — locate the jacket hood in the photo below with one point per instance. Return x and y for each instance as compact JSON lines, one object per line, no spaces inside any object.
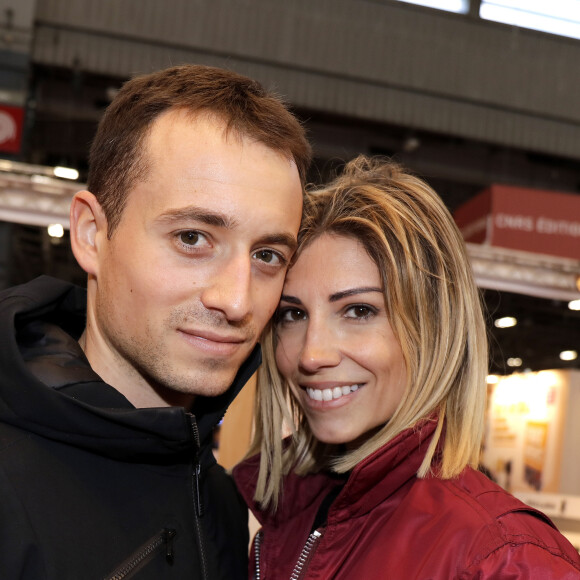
{"x":49,"y":388}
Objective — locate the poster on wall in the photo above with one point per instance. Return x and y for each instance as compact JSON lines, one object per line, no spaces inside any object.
{"x":524,"y":431}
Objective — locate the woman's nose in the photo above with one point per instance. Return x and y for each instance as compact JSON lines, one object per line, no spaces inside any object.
{"x":320,"y":349}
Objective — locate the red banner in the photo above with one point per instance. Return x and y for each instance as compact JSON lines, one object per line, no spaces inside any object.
{"x":544,"y":222}
{"x":11,"y":123}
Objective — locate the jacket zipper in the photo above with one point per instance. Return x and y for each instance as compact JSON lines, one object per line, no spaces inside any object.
{"x":303,"y":559}
{"x":197,"y":500}
{"x":300,"y":567}
{"x":138,"y":560}
{"x":257,"y":546}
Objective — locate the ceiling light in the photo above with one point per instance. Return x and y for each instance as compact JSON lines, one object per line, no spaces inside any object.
{"x":40,"y":179}
{"x":66,"y":172}
{"x":55,"y":231}
{"x":574,"y":305}
{"x":505,"y":322}
{"x":514,"y":362}
{"x":492,"y":379}
{"x":568,"y":355}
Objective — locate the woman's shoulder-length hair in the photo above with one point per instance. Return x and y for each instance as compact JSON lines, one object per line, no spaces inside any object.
{"x":434,"y":309}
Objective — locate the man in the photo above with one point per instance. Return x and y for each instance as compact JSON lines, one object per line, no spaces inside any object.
{"x":107,"y":407}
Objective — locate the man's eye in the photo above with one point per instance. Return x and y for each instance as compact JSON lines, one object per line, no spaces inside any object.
{"x":269,"y":257}
{"x":190,"y":238}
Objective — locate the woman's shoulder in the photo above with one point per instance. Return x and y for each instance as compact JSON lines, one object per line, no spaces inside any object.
{"x":474,"y":509}
{"x":474,"y":500}
{"x":487,"y":499}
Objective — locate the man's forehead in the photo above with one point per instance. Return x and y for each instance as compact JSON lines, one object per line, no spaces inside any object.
{"x":206,"y":127}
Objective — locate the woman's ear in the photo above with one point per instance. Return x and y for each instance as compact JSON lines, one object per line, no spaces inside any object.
{"x":88,"y":227}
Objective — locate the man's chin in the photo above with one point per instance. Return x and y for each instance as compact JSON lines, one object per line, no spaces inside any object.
{"x":210,"y":384}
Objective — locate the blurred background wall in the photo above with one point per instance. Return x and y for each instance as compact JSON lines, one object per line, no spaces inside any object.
{"x":463,"y":101}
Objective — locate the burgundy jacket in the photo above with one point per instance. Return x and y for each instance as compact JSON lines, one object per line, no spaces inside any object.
{"x":387,"y":523}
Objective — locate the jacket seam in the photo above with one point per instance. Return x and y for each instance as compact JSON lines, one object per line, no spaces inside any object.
{"x":15,"y":441}
{"x":530,"y":541}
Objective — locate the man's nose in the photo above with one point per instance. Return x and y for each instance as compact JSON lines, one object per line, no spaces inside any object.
{"x":229,"y":290}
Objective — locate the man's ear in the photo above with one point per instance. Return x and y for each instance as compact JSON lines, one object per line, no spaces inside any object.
{"x":88,"y":230}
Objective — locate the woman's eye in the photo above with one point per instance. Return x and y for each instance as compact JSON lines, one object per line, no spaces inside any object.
{"x":360,"y":311}
{"x":291,"y":315}
{"x":269,"y":257}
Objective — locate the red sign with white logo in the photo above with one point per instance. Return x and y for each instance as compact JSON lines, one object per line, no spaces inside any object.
{"x":544,"y":222}
{"x":11,"y":123}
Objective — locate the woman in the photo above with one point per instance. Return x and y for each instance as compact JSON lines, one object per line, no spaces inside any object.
{"x":376,"y":361}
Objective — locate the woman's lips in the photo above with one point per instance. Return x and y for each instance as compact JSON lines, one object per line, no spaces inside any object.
{"x":330,"y":394}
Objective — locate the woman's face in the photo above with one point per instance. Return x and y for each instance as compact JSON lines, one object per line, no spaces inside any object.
{"x":336,"y":347}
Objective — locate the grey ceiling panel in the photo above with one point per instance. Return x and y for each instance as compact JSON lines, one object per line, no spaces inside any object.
{"x":379,"y":61}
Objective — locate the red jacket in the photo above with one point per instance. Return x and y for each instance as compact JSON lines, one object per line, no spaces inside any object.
{"x":387,"y":523}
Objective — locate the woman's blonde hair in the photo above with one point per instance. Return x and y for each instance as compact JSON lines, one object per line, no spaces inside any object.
{"x":434,"y":309}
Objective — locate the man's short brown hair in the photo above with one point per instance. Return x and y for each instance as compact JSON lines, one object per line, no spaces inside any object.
{"x":117,"y":159}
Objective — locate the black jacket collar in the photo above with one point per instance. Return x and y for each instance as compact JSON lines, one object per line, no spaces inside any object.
{"x":40,"y":323}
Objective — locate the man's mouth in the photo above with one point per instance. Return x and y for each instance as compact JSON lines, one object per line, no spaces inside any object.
{"x":331,"y":394}
{"x":213,"y":336}
{"x":214,"y":343}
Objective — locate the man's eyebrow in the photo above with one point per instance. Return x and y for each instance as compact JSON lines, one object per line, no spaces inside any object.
{"x":353,"y":292}
{"x":279,"y":240}
{"x":198,"y":214}
{"x":220,"y":220}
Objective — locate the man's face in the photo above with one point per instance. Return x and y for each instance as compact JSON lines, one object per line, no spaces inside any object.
{"x":195,"y":269}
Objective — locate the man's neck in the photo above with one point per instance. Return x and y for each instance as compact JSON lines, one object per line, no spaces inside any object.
{"x":132,"y":385}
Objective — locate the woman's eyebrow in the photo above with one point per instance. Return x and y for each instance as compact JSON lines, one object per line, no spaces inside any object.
{"x":353,"y":292}
{"x":290,"y":299}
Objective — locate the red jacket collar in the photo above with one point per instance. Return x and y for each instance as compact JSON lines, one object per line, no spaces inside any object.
{"x":394,"y":465}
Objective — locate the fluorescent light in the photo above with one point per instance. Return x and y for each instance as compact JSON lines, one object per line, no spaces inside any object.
{"x":514,"y":362}
{"x":568,"y":355}
{"x":556,"y":17}
{"x":505,"y":322}
{"x":574,"y":305}
{"x":55,"y":231}
{"x":66,"y":172}
{"x":459,"y":6}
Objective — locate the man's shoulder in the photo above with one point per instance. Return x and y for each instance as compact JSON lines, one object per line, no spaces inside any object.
{"x":41,"y":293}
{"x":37,"y":286}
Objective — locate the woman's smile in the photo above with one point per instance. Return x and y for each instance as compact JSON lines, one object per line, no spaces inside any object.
{"x":330,"y":393}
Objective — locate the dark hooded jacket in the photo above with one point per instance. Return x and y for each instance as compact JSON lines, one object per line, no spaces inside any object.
{"x":90,"y":486}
